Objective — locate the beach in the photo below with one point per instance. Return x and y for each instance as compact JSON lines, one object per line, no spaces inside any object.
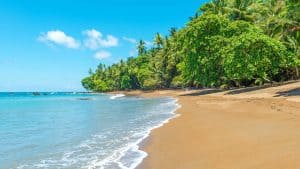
{"x":238,"y":129}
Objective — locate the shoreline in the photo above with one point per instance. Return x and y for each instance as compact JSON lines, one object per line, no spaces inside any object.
{"x":251,"y":129}
{"x":140,"y":144}
{"x":143,"y":141}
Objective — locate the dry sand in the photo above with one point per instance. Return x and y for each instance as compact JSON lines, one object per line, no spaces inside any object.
{"x":240,"y":129}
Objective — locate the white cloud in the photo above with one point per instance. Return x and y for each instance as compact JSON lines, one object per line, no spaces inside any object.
{"x":131,"y":40}
{"x":148,"y":44}
{"x":96,"y":40}
{"x":60,"y":38}
{"x":102,"y":55}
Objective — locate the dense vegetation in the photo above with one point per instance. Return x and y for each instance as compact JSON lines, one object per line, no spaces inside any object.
{"x":228,"y":43}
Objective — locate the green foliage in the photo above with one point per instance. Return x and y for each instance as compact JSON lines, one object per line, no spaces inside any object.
{"x":125,"y":82}
{"x":201,"y":41}
{"x":226,"y":43}
{"x":88,"y":83}
{"x":252,"y":56}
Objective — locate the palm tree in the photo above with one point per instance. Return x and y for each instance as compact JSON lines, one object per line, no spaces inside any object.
{"x":234,"y":9}
{"x":282,"y":22}
{"x":141,"y":47}
{"x":172,"y":31}
{"x":158,"y":41}
{"x":215,"y":6}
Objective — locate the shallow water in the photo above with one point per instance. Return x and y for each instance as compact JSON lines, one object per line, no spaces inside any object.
{"x":67,"y":130}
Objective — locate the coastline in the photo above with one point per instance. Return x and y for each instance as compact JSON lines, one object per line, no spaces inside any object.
{"x":247,"y":129}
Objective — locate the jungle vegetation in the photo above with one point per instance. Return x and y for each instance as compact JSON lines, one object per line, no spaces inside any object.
{"x":227,"y":43}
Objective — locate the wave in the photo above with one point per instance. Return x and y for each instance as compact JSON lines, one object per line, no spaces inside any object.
{"x":117,"y":158}
{"x":116,"y":96}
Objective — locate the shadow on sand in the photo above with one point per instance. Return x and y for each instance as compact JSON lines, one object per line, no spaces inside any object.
{"x":292,"y":92}
{"x":250,"y":89}
{"x":203,"y":92}
{"x":245,"y":90}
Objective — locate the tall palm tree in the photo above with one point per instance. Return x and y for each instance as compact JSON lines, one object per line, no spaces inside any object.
{"x":158,"y":41}
{"x":141,"y":47}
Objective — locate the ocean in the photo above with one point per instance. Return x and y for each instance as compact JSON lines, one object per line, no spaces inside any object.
{"x":77,"y":130}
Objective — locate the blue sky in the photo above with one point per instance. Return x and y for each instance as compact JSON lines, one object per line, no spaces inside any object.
{"x":50,"y":45}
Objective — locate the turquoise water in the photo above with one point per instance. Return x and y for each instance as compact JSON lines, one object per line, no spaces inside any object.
{"x":67,"y":130}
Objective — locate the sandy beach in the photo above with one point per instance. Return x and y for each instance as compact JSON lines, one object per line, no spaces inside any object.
{"x":240,"y":129}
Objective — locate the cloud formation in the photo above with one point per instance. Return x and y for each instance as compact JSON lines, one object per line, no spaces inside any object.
{"x":102,"y":55}
{"x":59,"y":38}
{"x":96,"y":40}
{"x":92,"y":40}
{"x":131,"y":40}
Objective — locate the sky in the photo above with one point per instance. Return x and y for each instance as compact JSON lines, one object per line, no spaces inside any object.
{"x":49,"y":45}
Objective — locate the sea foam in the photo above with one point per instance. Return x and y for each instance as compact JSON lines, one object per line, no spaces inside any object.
{"x":122,"y":158}
{"x":115,"y":96}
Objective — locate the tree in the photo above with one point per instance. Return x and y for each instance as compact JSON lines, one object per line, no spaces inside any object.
{"x":141,"y":47}
{"x":254,"y":56}
{"x":158,"y":41}
{"x":88,"y":83}
{"x":218,"y":51}
{"x":201,"y":42}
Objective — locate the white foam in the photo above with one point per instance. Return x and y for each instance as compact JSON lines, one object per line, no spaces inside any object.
{"x":134,"y":147}
{"x":115,"y":96}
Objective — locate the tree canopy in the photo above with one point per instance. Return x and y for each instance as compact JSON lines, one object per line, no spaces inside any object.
{"x":227,"y":43}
